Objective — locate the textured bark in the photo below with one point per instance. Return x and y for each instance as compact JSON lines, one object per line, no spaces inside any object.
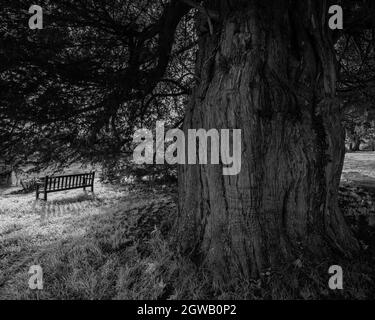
{"x":268,"y":69}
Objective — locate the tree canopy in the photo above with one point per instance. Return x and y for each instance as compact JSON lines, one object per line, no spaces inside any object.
{"x":100,"y":69}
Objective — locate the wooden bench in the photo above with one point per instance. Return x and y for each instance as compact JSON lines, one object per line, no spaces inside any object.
{"x":62,"y":183}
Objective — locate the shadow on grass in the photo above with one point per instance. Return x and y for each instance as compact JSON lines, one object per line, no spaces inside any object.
{"x":359,"y":179}
{"x":129,"y":252}
{"x":114,"y":260}
{"x":66,"y":206}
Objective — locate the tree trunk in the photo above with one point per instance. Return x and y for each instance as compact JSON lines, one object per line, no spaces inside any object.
{"x":354,"y":140}
{"x":356,"y":143}
{"x":269,"y":70}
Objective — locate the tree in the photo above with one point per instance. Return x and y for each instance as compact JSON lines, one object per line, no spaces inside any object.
{"x":270,"y":70}
{"x":266,"y":67}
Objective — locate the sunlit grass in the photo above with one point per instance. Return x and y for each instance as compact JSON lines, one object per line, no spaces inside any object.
{"x":117,"y":244}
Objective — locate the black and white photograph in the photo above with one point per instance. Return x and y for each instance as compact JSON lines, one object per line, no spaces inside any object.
{"x":213,"y":152}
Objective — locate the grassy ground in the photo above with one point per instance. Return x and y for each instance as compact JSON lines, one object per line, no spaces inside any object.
{"x":78,"y":238}
{"x":115,"y":244}
{"x":361,"y":163}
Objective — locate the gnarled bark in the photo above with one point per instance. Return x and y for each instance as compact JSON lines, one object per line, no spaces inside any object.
{"x":268,"y":69}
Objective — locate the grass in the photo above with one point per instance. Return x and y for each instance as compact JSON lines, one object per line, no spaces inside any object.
{"x":121,"y":253}
{"x":117,"y":244}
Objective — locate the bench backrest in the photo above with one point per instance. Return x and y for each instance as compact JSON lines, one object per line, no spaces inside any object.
{"x":67,"y":182}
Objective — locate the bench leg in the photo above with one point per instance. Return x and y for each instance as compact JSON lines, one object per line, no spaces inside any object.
{"x":92,"y":182}
{"x":45,"y":188}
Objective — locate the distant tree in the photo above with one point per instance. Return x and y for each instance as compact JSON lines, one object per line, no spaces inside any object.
{"x":356,"y":57}
{"x":360,"y":129}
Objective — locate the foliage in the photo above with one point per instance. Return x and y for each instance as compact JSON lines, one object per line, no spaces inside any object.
{"x":77,"y":90}
{"x":29,"y":185}
{"x":126,"y":172}
{"x":360,"y":129}
{"x":356,"y":57}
